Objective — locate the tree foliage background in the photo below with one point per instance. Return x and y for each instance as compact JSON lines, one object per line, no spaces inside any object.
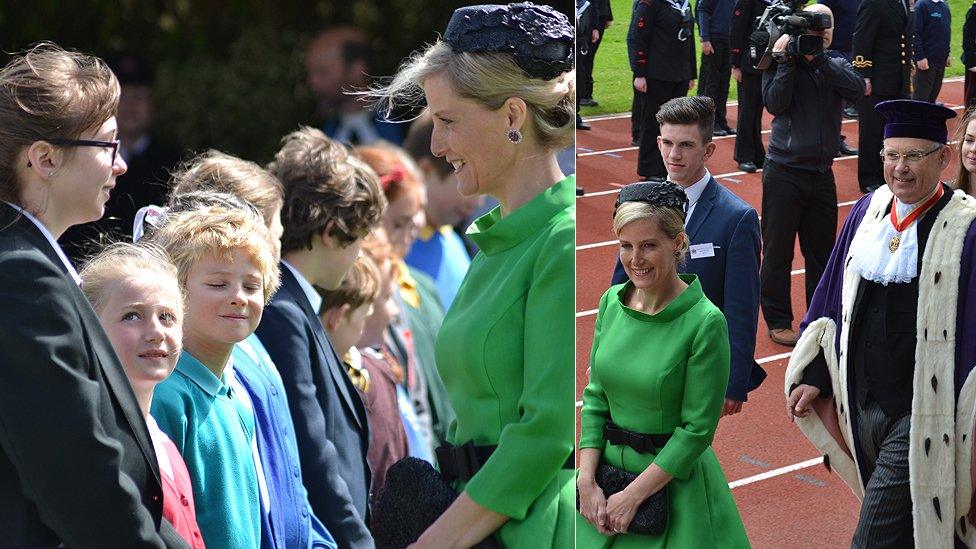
{"x":229,"y":73}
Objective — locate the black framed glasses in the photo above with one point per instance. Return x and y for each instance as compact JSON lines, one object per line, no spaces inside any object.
{"x":88,"y":143}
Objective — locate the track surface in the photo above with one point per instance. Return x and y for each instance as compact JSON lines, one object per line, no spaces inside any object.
{"x":785,"y":495}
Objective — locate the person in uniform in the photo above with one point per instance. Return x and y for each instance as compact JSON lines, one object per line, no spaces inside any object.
{"x":602,"y":17}
{"x":661,"y":47}
{"x":505,"y":349}
{"x":749,"y":151}
{"x":714,"y":20}
{"x":880,"y":381}
{"x":882,"y":56}
{"x":656,"y":417}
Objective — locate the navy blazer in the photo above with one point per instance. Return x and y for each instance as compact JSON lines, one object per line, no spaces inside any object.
{"x":77,"y":466}
{"x":329,"y":416}
{"x":730,"y":279}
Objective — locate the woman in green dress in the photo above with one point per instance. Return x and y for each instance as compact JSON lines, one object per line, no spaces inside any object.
{"x":501,"y":89}
{"x":659,"y":368}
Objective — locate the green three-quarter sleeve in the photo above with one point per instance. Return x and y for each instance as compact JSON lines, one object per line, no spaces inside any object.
{"x":596,"y":409}
{"x":531,"y":451}
{"x":706,"y":377}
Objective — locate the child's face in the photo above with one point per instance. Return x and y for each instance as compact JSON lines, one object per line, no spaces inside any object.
{"x":339,"y":262}
{"x":143,"y":319}
{"x":224,"y":299}
{"x":384,"y":310}
{"x":349,"y":328}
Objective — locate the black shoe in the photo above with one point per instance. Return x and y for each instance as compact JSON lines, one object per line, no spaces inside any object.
{"x":869,"y":189}
{"x":846,"y":150}
{"x":850,"y":113}
{"x":580,"y":191}
{"x":748,"y":167}
{"x":588,"y":102}
{"x":730,"y":131}
{"x":719,"y":132}
{"x":655,"y":178}
{"x":583,"y":126}
{"x":634,"y":143}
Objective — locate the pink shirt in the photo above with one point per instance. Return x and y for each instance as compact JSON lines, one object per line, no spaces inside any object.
{"x":178,"y":506}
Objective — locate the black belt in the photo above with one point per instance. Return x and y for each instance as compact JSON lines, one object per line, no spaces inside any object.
{"x":462,"y":462}
{"x":640,"y":442}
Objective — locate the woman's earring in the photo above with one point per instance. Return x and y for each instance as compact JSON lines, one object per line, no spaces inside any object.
{"x":514,"y":136}
{"x":677,"y":254}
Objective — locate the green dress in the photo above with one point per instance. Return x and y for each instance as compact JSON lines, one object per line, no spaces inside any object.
{"x":664,"y":373}
{"x":505,"y":353}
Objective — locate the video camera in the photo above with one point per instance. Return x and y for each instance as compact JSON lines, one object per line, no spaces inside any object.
{"x":786,"y":17}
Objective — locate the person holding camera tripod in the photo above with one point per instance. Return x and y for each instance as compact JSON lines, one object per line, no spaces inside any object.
{"x":804,"y":94}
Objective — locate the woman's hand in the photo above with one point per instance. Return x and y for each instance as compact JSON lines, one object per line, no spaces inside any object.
{"x":593,"y":504}
{"x":621,"y":508}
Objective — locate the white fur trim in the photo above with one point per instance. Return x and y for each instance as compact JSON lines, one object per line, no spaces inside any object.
{"x":820,"y":335}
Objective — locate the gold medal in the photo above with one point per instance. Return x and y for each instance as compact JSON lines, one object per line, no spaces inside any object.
{"x":893,"y":244}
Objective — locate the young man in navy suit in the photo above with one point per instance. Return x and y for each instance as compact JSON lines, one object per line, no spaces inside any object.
{"x":724,"y":234}
{"x":332,"y":200}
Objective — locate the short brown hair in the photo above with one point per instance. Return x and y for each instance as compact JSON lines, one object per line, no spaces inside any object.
{"x":698,"y":110}
{"x":359,"y":287}
{"x":324,"y":184}
{"x":50,"y":93}
{"x":216,"y":171}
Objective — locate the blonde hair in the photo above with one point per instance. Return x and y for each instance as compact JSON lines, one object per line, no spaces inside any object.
{"x":669,"y":220}
{"x":489,"y":79}
{"x":50,"y":93}
{"x":964,"y":179}
{"x":216,"y":171}
{"x":188,"y":236}
{"x":124,"y":260}
{"x":359,"y":287}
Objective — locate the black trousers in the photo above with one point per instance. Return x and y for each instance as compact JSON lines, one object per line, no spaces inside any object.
{"x":870,"y":133}
{"x":636,"y":111}
{"x":794,"y":202}
{"x":584,"y":67}
{"x":927,"y":84}
{"x":649,"y":161}
{"x":713,"y":79}
{"x":748,"y":142}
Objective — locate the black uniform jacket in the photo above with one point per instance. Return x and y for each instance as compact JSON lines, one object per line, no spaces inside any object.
{"x":743,"y":19}
{"x":77,"y":465}
{"x":661,"y":42}
{"x":882,"y":46}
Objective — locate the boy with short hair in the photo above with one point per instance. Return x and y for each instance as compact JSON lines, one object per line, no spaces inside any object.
{"x":332,"y":200}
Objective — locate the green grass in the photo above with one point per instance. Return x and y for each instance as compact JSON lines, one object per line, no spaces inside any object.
{"x":612,"y":76}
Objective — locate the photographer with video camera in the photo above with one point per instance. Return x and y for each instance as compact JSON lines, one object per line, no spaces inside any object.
{"x":804,"y":93}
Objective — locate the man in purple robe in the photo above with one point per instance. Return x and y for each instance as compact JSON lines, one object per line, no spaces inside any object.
{"x":880,"y":379}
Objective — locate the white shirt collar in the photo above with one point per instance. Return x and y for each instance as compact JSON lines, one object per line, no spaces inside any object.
{"x":314,"y":299}
{"x":51,"y":240}
{"x":695,"y":191}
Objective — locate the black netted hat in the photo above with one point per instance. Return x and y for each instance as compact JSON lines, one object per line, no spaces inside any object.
{"x":667,"y":194}
{"x":540,"y":38}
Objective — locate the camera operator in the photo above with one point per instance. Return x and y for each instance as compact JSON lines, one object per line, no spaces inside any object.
{"x":804,"y":94}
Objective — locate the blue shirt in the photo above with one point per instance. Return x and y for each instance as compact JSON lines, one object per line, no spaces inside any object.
{"x":442,"y":255}
{"x":213,"y":428}
{"x":932,"y":32}
{"x":289,"y":522}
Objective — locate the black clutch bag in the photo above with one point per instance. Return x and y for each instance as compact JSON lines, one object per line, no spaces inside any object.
{"x":412,"y":498}
{"x":652,"y":514}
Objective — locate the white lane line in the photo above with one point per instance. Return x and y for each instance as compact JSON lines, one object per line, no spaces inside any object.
{"x":589,"y":152}
{"x":597,"y":245}
{"x":773,"y":358}
{"x":581,"y":314}
{"x":776,"y":472}
{"x":729,"y":104}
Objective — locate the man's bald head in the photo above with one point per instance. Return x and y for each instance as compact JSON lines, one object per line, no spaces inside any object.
{"x":336,"y":61}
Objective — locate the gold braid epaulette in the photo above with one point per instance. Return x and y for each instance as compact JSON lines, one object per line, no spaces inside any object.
{"x":860,"y":62}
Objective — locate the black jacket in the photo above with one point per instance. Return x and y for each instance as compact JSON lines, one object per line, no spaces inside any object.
{"x":805,"y":101}
{"x":77,"y":465}
{"x":969,"y":38}
{"x":743,"y":20}
{"x":661,"y":42}
{"x":330,"y":420}
{"x":882,"y":46}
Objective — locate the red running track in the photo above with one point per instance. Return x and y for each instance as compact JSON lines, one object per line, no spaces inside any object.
{"x":785,"y":496}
